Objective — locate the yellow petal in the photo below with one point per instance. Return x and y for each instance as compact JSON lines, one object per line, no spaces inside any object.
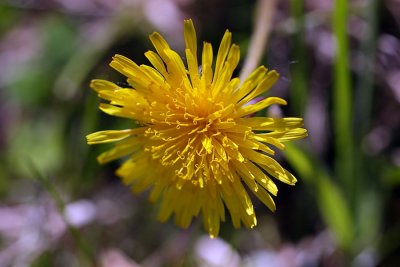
{"x":193,"y":68}
{"x":265,"y":198}
{"x":264,"y":85}
{"x":249,"y":83}
{"x":246,"y":110}
{"x":156,"y":61}
{"x":100,"y":85}
{"x":111,"y":135}
{"x":207,"y":59}
{"x":222,"y":53}
{"x":159,"y":44}
{"x":190,"y":37}
{"x":121,"y":149}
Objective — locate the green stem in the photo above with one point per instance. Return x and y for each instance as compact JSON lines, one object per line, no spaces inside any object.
{"x":298,"y":91}
{"x":368,"y":204}
{"x":342,"y":99}
{"x":365,"y":87}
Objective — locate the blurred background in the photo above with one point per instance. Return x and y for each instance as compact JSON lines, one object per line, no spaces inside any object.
{"x":340,"y":69}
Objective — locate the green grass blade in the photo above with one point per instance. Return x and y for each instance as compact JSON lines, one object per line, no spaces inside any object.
{"x":335,"y":211}
{"x":342,"y":99}
{"x":299,"y":85}
{"x":365,"y":88}
{"x":332,"y":203}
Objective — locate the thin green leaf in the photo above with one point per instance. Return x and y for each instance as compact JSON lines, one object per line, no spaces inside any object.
{"x":299,"y":84}
{"x":342,"y":100}
{"x":334,"y":207}
{"x":336,"y":211}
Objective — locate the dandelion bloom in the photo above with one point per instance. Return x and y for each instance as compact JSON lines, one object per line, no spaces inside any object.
{"x":196,"y":148}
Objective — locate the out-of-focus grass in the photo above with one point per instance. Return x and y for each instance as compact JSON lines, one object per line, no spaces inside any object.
{"x":82,"y":247}
{"x":299,"y":68}
{"x":342,"y":101}
{"x":330,"y":198}
{"x":349,"y":196}
{"x":34,"y":83}
{"x":343,"y":127}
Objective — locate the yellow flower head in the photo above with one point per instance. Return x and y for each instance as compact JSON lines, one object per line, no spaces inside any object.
{"x":196,"y":148}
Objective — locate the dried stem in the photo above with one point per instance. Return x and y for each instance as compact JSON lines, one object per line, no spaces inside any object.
{"x":259,"y":38}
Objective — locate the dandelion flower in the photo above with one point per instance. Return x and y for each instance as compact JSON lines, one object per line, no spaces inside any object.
{"x":196,"y":150}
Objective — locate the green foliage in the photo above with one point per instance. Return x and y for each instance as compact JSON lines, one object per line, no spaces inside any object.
{"x":43,"y":137}
{"x":331,"y":201}
{"x":8,"y":18}
{"x":299,"y":68}
{"x":34,"y":81}
{"x":44,"y":260}
{"x":336,"y":211}
{"x":348,"y":197}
